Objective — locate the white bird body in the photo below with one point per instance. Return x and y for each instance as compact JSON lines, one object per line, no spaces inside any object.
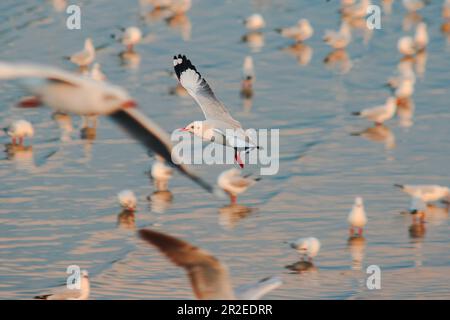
{"x":309,"y":247}
{"x":209,"y":278}
{"x":357,"y":217}
{"x":248,"y":68}
{"x":427,"y":193}
{"x":255,"y":22}
{"x":86,"y":56}
{"x":20,"y":129}
{"x":413,"y":5}
{"x":356,"y":11}
{"x":219,"y":126}
{"x":302,"y":31}
{"x":405,"y":88}
{"x":405,"y":73}
{"x":421,"y":36}
{"x":446,"y":10}
{"x":380,"y":114}
{"x":71,"y":294}
{"x":161,"y":172}
{"x":406,"y":46}
{"x":339,"y":39}
{"x":232,"y":182}
{"x":127,"y":200}
{"x":131,"y":37}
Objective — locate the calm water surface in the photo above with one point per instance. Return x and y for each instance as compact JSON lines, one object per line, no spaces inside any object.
{"x":58,"y":199}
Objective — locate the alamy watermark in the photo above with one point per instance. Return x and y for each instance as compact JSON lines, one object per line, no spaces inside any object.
{"x":73,"y":21}
{"x":74,"y":279}
{"x":373,"y":281}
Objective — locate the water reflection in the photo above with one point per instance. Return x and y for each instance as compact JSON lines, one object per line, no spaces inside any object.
{"x":417,"y":230}
{"x":405,"y":113}
{"x":379,"y":134}
{"x":339,"y":60}
{"x":64,"y":122}
{"x":231,"y":214}
{"x":126,"y":220}
{"x":302,"y":52}
{"x":130,"y":59}
{"x":410,"y":20}
{"x":160,"y":201}
{"x":357,"y":247}
{"x":302,"y":266}
{"x":255,"y":40}
{"x":180,"y":23}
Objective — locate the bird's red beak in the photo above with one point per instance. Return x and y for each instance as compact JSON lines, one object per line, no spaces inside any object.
{"x":129,"y":104}
{"x":184,"y":129}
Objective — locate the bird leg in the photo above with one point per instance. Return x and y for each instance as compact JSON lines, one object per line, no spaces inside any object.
{"x":360,"y":231}
{"x":351,"y":231}
{"x":13,"y":140}
{"x":21,"y":140}
{"x":237,"y":158}
{"x":233,"y":199}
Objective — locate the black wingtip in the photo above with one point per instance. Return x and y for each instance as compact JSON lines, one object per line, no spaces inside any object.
{"x":183,"y":66}
{"x":398,"y":185}
{"x":356,"y":113}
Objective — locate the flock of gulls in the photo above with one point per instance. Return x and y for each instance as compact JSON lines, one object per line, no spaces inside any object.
{"x":86,"y":92}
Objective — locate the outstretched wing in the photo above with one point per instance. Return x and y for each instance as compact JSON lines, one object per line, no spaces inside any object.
{"x":199,"y":89}
{"x":209,"y":278}
{"x":255,"y":291}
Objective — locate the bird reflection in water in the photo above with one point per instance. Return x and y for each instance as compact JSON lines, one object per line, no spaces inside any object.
{"x":130,"y":59}
{"x":405,"y":112}
{"x":182,"y":24}
{"x":339,"y":60}
{"x":230,"y":215}
{"x":255,"y":40}
{"x":357,"y":247}
{"x":410,"y":20}
{"x":417,"y":230}
{"x":301,"y":51}
{"x":20,"y":155}
{"x":126,"y":220}
{"x":302,"y":266}
{"x":161,"y":199}
{"x":64,"y":122}
{"x":378,"y":133}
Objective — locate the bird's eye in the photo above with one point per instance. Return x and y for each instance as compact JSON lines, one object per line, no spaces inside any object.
{"x":192,"y":127}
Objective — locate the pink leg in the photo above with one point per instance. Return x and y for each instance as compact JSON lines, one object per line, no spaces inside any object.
{"x":21,"y":140}
{"x":233,"y":199}
{"x":13,"y":140}
{"x":360,"y":231}
{"x":351,"y":231}
{"x":237,"y":158}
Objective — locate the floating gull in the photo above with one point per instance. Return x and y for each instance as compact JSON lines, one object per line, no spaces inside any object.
{"x":249,"y":77}
{"x":161,"y":174}
{"x":302,"y":31}
{"x":427,"y":193}
{"x":414,"y":5}
{"x":219,"y":121}
{"x":131,"y":37}
{"x":72,"y":93}
{"x":209,"y":278}
{"x":86,"y":56}
{"x":421,"y":37}
{"x":71,"y":294}
{"x":255,"y":22}
{"x":18,"y":130}
{"x":356,"y":11}
{"x":357,"y":217}
{"x":308,"y":247}
{"x":339,"y":39}
{"x":233,"y":183}
{"x":379,"y":114}
{"x":127,"y":200}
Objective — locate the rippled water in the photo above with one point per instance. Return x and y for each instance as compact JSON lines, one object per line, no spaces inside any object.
{"x":57,"y":199}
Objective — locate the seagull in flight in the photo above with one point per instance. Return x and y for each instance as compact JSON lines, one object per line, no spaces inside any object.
{"x":219,"y":126}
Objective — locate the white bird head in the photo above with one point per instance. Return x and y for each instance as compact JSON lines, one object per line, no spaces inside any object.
{"x":84,"y":273}
{"x":359,"y":202}
{"x":127,"y":199}
{"x":195,"y":128}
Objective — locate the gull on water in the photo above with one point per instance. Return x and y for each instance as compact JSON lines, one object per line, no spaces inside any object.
{"x":379,"y":114}
{"x":302,"y":31}
{"x":86,"y":56}
{"x":421,"y":36}
{"x":356,"y":11}
{"x":405,"y":72}
{"x":69,"y":92}
{"x":127,"y":200}
{"x":233,"y":183}
{"x":255,"y":22}
{"x":131,"y":37}
{"x":71,"y":294}
{"x":427,"y":193}
{"x":307,"y":247}
{"x":357,"y":217}
{"x":405,"y":46}
{"x":209,"y":278}
{"x":219,"y":126}
{"x":414,"y":5}
{"x":96,"y":73}
{"x":339,"y":39}
{"x":161,"y":174}
{"x":418,"y":207}
{"x":19,"y":130}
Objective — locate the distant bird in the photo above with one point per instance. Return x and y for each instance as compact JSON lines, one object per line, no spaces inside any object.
{"x":127,"y":200}
{"x":421,"y":37}
{"x":209,"y":278}
{"x":307,"y":247}
{"x":69,"y":92}
{"x":357,"y":217}
{"x":418,"y":207}
{"x":219,"y":127}
{"x":71,"y":294}
{"x":233,"y":183}
{"x":414,"y":5}
{"x":427,"y":193}
{"x":339,"y":39}
{"x":255,"y":22}
{"x":446,"y":10}
{"x":405,"y":89}
{"x":248,"y":70}
{"x":96,"y":73}
{"x":161,"y":174}
{"x":18,"y":130}
{"x":175,"y":6}
{"x":356,"y":11}
{"x":86,"y":56}
{"x":131,"y":37}
{"x":406,"y":46}
{"x":302,"y":31}
{"x":405,"y":72}
{"x":379,"y":114}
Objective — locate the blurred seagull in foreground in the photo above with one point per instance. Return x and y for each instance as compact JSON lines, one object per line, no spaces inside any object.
{"x":127,"y":200}
{"x":219,"y":126}
{"x":307,"y":247}
{"x":249,"y":77}
{"x":339,"y":39}
{"x":233,"y":183}
{"x":71,"y":294}
{"x":357,"y":217}
{"x":68,"y":92}
{"x":379,"y":114}
{"x":302,"y":31}
{"x":427,"y":193}
{"x":86,"y":56}
{"x":18,"y":130}
{"x":209,"y":278}
{"x":255,"y":22}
